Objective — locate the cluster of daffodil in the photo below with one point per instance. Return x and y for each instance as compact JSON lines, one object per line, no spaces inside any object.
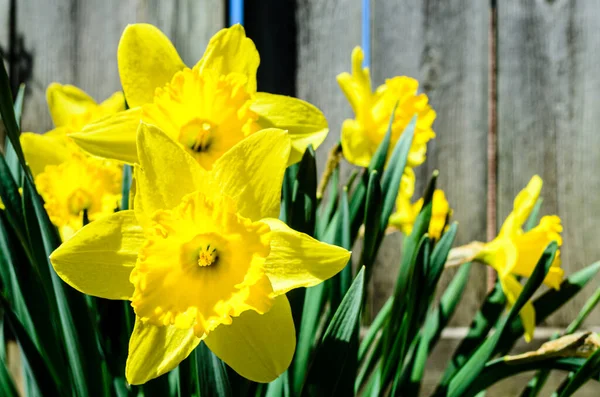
{"x":192,"y":197}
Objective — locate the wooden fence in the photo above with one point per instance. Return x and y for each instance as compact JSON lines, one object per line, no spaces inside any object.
{"x":547,"y":81}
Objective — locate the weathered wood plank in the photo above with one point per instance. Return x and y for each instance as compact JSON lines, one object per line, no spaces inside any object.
{"x":4,"y":31}
{"x":189,"y":23}
{"x":76,"y":42}
{"x":548,"y":96}
{"x":327,"y":32}
{"x":444,"y":45}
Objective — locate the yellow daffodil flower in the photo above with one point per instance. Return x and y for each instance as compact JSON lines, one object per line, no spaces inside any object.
{"x":362,"y":135}
{"x":70,"y":181}
{"x":406,"y":212}
{"x":202,"y":257}
{"x":206,"y":109}
{"x":515,"y":252}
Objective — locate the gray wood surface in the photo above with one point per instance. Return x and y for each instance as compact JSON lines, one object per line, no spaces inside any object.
{"x":444,"y":45}
{"x":75,"y":42}
{"x":548,"y":99}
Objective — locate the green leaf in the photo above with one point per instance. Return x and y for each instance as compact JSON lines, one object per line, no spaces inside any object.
{"x":589,"y":369}
{"x":466,"y":375}
{"x":342,"y":239}
{"x":212,"y":373}
{"x":334,"y":367}
{"x":381,"y":154}
{"x":11,"y":155}
{"x":7,"y":113}
{"x":329,"y":208}
{"x":549,"y":302}
{"x":38,"y":367}
{"x":491,"y":309}
{"x":499,"y":369}
{"x":304,"y":194}
{"x":390,"y":181}
{"x":535,"y":385}
{"x":534,"y":216}
{"x":438,"y":258}
{"x":9,"y":193}
{"x":372,"y":223}
{"x":308,"y":333}
{"x":393,"y":364}
{"x":436,"y":321}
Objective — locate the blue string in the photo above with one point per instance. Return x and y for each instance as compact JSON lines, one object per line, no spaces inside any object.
{"x":236,"y":12}
{"x":366,"y":32}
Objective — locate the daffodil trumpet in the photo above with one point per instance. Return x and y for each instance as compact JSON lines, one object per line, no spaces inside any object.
{"x":202,"y":257}
{"x":515,"y":252}
{"x":206,"y":109}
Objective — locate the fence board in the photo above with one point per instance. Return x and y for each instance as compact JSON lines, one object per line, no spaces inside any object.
{"x":76,"y":42}
{"x":549,"y":92}
{"x":328,"y":30}
{"x":5,"y":23}
{"x":444,"y":45}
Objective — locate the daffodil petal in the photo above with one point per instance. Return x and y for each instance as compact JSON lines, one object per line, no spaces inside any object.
{"x":98,"y":259}
{"x":298,"y":260}
{"x":251,"y":173}
{"x":113,"y":104}
{"x":154,"y":351}
{"x":357,"y":147}
{"x":304,"y":122}
{"x":66,"y":101}
{"x":147,"y":60}
{"x":258,"y":347}
{"x":112,"y":137}
{"x":42,"y":150}
{"x":230,"y":51}
{"x":512,"y":289}
{"x":167,"y":173}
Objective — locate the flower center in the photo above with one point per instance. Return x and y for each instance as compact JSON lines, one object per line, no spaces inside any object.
{"x":208,"y":256}
{"x":202,"y":264}
{"x":196,"y":135}
{"x":78,"y":201}
{"x":207,"y":113}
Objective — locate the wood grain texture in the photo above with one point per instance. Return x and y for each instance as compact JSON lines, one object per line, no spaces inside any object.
{"x":548,"y":98}
{"x":76,"y":42}
{"x":328,"y":30}
{"x":5,"y":27}
{"x":444,"y":45}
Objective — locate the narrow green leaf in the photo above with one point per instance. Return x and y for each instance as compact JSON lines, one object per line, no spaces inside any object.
{"x":436,"y":321}
{"x":11,"y":155}
{"x":311,"y":313}
{"x":9,"y":193}
{"x":381,"y":154}
{"x":534,"y":386}
{"x":465,"y":376}
{"x":7,"y":113}
{"x":534,"y":216}
{"x":329,"y":208}
{"x":549,"y":302}
{"x":589,"y":369}
{"x":212,"y":375}
{"x":304,"y":194}
{"x":488,"y":314}
{"x":499,"y":369}
{"x":376,"y":326}
{"x":39,"y":368}
{"x":372,"y":223}
{"x":438,"y":258}
{"x":390,"y":181}
{"x":343,"y":240}
{"x":336,"y":355}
